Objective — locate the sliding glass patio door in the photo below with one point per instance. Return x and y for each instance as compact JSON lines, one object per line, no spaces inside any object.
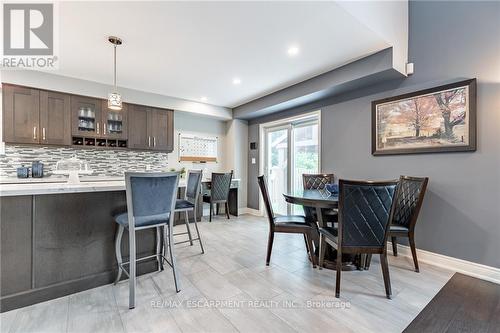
{"x":291,"y":149}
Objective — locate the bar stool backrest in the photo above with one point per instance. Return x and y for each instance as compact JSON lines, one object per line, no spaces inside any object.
{"x":150,"y":194}
{"x":365,"y":210}
{"x":193,"y":185}
{"x":221,"y":184}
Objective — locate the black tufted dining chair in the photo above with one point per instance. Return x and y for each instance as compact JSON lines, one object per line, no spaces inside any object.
{"x":292,"y":224}
{"x":408,"y":203}
{"x":219,"y":192}
{"x":318,"y":181}
{"x":365,"y":211}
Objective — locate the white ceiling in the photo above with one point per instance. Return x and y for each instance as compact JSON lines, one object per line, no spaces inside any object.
{"x":194,"y":49}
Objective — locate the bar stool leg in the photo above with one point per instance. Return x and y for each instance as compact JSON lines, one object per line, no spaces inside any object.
{"x":132,"y":277}
{"x":172,"y":256}
{"x":118,"y":251}
{"x":188,"y":229}
{"x":198,"y":231}
{"x":165,"y":245}
{"x":158,"y":249}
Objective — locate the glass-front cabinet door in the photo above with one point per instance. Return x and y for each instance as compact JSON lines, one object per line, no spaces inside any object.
{"x":114,"y":122}
{"x":86,"y":116}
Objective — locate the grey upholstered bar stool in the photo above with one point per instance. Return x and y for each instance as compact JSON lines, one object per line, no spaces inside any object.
{"x":151,"y":201}
{"x":190,"y":203}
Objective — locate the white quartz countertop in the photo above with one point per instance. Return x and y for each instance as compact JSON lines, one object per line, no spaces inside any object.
{"x":50,"y":185}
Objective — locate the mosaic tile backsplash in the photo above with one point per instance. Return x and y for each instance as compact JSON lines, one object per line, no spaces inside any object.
{"x":103,"y":162}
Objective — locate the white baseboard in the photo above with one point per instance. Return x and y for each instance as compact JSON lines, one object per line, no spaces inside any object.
{"x":484,"y":272}
{"x":250,"y":211}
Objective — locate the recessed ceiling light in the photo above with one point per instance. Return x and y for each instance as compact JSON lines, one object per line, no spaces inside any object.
{"x":293,"y":51}
{"x":203,"y":99}
{"x":236,"y":80}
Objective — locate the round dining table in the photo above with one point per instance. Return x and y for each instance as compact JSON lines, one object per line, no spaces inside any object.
{"x":316,"y":201}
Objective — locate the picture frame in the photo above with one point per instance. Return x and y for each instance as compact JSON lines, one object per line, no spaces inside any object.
{"x":435,"y":120}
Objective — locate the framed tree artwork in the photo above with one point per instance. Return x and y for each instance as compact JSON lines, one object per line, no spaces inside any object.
{"x":440,"y":119}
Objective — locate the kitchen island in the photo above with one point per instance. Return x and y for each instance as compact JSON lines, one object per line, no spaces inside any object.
{"x":58,"y":238}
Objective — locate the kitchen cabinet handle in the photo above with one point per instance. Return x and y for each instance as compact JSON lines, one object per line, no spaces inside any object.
{"x":154,"y":141}
{"x":149,"y":141}
{"x":43,"y":133}
{"x":104,"y":128}
{"x":97,"y":128}
{"x":34,"y":132}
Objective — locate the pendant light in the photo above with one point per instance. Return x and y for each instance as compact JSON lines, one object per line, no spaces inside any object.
{"x":114,"y":98}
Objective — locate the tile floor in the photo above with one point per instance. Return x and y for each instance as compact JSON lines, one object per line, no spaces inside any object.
{"x":229,"y":289}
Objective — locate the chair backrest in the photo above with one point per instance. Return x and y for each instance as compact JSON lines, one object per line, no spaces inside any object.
{"x":365,"y":209}
{"x":265,"y":194}
{"x":221,"y":184}
{"x":409,"y":200}
{"x":313,"y":181}
{"x":150,"y":194}
{"x":193,"y":185}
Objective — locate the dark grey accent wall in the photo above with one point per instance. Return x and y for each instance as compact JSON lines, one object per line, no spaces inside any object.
{"x":253,"y":169}
{"x":461,"y":212}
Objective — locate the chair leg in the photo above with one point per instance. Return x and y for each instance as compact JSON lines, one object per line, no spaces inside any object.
{"x":132,"y":269}
{"x":362,"y":261}
{"x":172,"y":256}
{"x":311,"y":249}
{"x":198,"y":231}
{"x":411,"y":238}
{"x":368,"y":261}
{"x":217,"y":209}
{"x":227,"y":210}
{"x":339,"y":270}
{"x":394,"y":241}
{"x":187,"y":227}
{"x":269,"y":246}
{"x":322,"y":250}
{"x":385,"y":273}
{"x":158,"y":249}
{"x":211,"y":208}
{"x":118,"y":251}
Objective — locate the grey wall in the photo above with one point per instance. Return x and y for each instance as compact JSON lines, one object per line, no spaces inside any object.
{"x":461,"y":213}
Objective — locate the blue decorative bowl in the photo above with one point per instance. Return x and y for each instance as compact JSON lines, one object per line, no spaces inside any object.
{"x":332,"y":188}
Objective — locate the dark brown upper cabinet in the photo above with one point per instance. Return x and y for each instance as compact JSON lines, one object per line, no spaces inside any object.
{"x":86,"y":116}
{"x":162,"y":129}
{"x":21,"y":114}
{"x":55,"y":118}
{"x":150,"y":128}
{"x":138,"y":131}
{"x":34,"y":116}
{"x":46,"y":117}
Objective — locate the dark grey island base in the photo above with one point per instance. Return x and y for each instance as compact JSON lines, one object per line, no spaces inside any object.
{"x":58,"y":244}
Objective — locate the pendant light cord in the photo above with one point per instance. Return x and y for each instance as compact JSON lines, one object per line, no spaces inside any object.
{"x":114,"y":66}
